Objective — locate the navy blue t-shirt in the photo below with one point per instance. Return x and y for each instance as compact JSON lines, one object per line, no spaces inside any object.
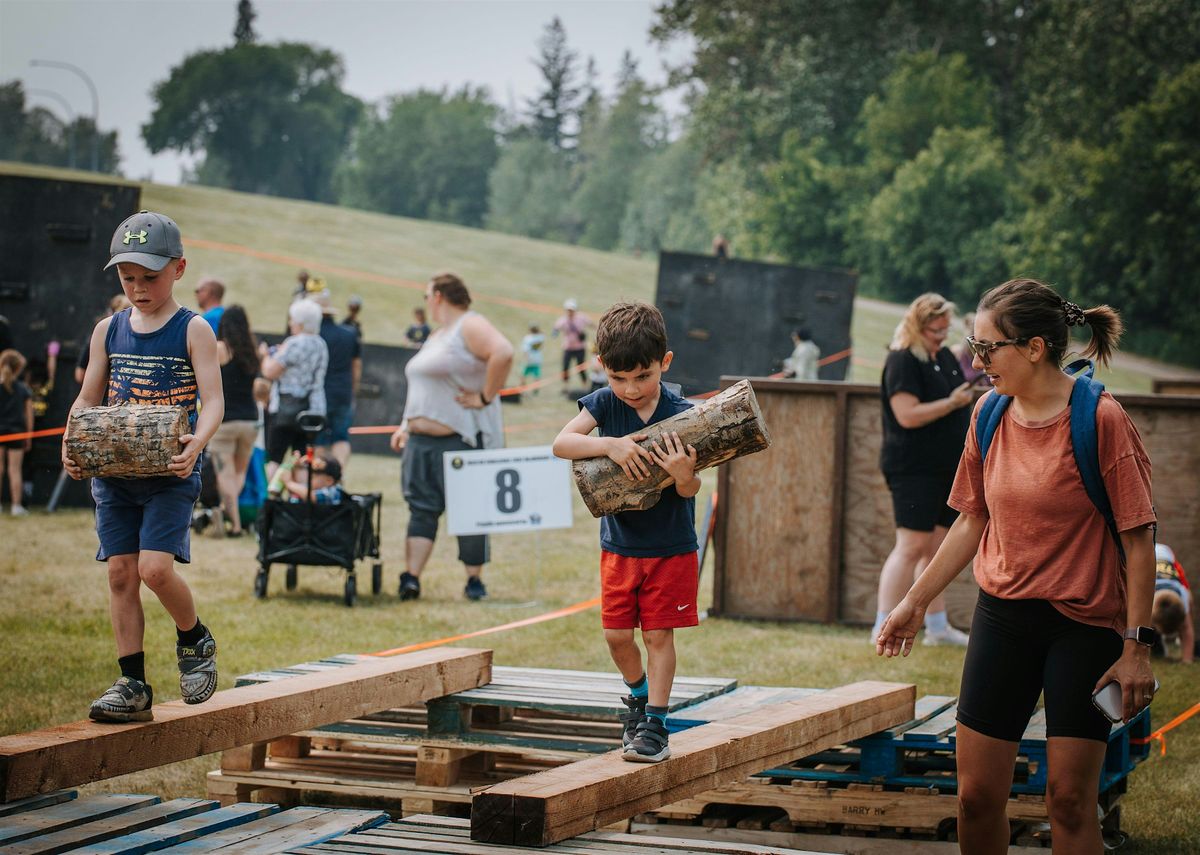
{"x":667,"y":528}
{"x":344,"y":348}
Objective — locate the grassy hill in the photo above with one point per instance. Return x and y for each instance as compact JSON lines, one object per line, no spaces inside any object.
{"x":255,"y":244}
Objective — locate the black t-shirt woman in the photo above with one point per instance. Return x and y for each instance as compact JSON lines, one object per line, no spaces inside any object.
{"x":925,"y":402}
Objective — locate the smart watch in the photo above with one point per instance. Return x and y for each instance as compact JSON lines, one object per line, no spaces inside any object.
{"x":1147,"y":636}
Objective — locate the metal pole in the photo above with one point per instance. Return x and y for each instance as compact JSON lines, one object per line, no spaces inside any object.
{"x":50,"y":93}
{"x":75,"y":69}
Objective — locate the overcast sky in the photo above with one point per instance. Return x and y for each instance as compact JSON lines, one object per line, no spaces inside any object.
{"x":388,"y":46}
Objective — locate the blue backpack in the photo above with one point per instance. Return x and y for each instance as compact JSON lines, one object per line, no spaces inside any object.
{"x":1085,"y":398}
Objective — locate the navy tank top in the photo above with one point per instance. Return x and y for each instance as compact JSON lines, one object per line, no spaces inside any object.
{"x":151,"y":368}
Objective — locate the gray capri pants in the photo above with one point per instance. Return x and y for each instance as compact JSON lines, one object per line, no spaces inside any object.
{"x":424,"y":483}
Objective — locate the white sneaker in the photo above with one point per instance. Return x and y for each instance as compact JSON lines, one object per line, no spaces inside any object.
{"x":948,"y":637}
{"x":19,"y":511}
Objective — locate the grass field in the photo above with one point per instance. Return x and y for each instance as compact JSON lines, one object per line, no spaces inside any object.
{"x":56,"y":650}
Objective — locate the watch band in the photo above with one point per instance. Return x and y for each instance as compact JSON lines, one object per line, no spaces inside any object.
{"x":1144,"y":635}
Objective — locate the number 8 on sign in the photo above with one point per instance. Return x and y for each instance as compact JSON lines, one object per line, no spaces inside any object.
{"x":508,"y":497}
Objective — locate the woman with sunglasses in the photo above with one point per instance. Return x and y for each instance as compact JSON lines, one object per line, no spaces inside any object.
{"x":1059,"y":612}
{"x":924,"y":400}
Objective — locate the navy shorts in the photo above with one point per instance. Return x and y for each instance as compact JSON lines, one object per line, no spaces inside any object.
{"x":337,"y":425}
{"x":133,"y":514}
{"x":1020,"y":649}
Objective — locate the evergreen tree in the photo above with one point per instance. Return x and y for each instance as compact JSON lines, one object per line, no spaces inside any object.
{"x":554,"y":108}
{"x":243,"y":33}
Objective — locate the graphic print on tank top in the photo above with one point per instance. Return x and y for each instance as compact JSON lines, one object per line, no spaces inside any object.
{"x":151,"y":368}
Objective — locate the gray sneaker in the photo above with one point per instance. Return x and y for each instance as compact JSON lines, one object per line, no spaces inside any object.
{"x":197,"y":669}
{"x":649,"y":744}
{"x":631,"y":718}
{"x":127,"y":700}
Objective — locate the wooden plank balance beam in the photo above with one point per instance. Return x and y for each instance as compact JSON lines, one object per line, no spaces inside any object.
{"x":544,"y":808}
{"x":86,"y":751}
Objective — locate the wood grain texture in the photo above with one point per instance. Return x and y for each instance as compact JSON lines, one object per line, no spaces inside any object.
{"x":550,"y":806}
{"x":84,"y":751}
{"x":776,"y":513}
{"x":725,"y":426}
{"x":128,"y":441}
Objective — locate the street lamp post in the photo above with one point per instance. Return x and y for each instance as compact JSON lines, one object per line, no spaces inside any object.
{"x":66,"y":105}
{"x":75,"y":69}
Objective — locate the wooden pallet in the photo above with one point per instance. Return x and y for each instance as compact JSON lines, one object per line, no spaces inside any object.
{"x":920,"y":752}
{"x":117,"y":824}
{"x":440,"y":835}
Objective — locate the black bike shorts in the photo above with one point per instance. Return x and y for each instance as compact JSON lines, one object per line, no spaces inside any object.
{"x":919,"y":501}
{"x":1022,"y":648}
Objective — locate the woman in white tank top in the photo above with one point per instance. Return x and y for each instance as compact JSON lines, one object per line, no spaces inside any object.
{"x":453,"y":402}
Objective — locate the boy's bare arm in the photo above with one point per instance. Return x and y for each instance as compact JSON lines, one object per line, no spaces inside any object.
{"x":574,"y":443}
{"x":91,"y":391}
{"x":202,"y":348}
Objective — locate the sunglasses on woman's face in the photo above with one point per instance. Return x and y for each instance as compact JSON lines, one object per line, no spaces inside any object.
{"x":984,"y":349}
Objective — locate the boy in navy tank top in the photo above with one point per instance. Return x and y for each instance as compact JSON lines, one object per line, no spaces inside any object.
{"x":155,"y":352}
{"x":648,"y":570}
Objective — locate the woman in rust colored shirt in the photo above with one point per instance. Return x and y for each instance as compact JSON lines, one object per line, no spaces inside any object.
{"x":1058,"y":612}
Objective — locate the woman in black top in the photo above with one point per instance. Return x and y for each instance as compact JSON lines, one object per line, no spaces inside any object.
{"x":925,"y":418}
{"x":233,"y":443}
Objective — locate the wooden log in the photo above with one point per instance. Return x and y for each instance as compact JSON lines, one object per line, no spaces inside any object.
{"x":725,"y":426}
{"x":85,"y":751}
{"x":541,"y":809}
{"x":128,"y":441}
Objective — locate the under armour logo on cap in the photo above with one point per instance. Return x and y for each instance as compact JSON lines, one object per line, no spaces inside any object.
{"x":140,"y":237}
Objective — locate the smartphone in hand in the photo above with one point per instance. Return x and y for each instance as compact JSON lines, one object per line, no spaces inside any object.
{"x":1107,"y":699}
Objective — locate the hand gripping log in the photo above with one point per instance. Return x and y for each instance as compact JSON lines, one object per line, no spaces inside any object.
{"x":725,"y":426}
{"x":127,"y":441}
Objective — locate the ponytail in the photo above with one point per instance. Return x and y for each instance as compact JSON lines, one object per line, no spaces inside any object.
{"x":1107,"y":327}
{"x":12,"y":363}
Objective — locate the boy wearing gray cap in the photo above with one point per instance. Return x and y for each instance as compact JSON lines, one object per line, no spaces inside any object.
{"x":155,"y":352}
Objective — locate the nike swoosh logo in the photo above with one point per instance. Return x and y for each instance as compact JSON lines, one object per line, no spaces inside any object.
{"x":680,"y":608}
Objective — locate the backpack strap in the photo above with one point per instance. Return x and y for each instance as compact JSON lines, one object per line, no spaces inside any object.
{"x":1085,"y":399}
{"x":991,"y":411}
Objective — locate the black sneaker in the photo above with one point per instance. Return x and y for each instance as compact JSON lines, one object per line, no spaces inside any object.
{"x":631,"y":718}
{"x":475,"y":589}
{"x":127,"y":700}
{"x":410,"y":587}
{"x":649,"y":744}
{"x":197,"y":669}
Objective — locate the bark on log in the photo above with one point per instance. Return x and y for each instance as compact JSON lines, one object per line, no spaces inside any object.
{"x":128,"y":441}
{"x":725,"y":426}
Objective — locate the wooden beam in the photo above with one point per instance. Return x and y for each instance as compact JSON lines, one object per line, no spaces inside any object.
{"x":85,"y":751}
{"x":541,"y":809}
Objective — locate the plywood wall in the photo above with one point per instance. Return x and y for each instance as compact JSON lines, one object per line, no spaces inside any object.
{"x":804,"y":527}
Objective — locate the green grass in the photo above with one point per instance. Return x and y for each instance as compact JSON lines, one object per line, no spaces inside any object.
{"x":56,"y":649}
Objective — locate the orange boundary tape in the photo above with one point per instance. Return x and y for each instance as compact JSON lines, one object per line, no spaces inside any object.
{"x":529,"y":621}
{"x":1160,"y":734}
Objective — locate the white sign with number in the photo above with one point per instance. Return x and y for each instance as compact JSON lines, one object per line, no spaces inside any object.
{"x":502,"y":490}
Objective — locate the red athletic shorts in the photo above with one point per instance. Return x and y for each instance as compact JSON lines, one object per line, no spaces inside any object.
{"x":653,"y":593}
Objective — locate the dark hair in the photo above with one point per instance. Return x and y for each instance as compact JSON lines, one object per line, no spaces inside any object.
{"x":1026,"y":308}
{"x":802,"y":333}
{"x":234,"y":330}
{"x":1168,"y":614}
{"x":420,"y":312}
{"x":631,"y":336}
{"x":452,"y":288}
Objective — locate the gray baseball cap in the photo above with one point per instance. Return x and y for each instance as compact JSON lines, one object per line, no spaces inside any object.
{"x":146,"y":238}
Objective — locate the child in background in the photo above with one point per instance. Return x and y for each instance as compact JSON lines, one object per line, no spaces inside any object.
{"x":531,"y":346}
{"x":325,"y":476}
{"x":648,"y":568}
{"x":596,"y":374}
{"x":1173,"y":604}
{"x":16,"y":416}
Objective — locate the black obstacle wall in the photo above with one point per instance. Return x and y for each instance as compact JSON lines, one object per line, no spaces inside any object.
{"x":728,"y":316}
{"x":54,"y":237}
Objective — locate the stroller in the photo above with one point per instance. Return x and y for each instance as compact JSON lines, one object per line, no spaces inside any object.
{"x":295,"y":533}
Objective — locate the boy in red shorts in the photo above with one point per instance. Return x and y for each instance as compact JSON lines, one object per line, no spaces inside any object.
{"x":648,"y":570}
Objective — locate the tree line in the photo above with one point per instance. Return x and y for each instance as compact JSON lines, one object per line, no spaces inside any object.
{"x":941,"y":147}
